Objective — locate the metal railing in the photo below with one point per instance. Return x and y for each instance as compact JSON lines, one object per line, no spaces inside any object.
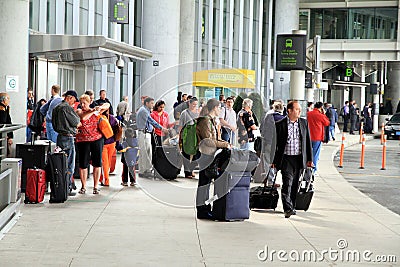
{"x":4,"y":130}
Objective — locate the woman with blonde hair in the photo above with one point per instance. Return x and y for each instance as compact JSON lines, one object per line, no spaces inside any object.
{"x":90,"y":141}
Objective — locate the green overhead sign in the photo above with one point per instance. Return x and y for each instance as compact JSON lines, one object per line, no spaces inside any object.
{"x":119,"y":11}
{"x":291,"y":52}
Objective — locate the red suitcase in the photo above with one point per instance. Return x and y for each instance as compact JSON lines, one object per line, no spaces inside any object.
{"x":35,"y":185}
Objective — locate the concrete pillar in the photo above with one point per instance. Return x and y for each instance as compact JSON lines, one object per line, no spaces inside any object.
{"x":160,"y":31}
{"x":297,"y":83}
{"x":286,"y":20}
{"x":392,"y":90}
{"x":14,"y":21}
{"x":186,"y":46}
{"x":375,"y":101}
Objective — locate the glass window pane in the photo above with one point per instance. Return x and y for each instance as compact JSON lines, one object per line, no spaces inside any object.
{"x":68,"y":18}
{"x":34,"y":15}
{"x":51,"y":17}
{"x":83,"y":21}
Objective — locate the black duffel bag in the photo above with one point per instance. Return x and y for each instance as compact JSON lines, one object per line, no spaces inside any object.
{"x":236,"y":160}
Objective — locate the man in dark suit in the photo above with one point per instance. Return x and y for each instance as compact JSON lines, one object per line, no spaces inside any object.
{"x":353,"y":116}
{"x":293,"y":154}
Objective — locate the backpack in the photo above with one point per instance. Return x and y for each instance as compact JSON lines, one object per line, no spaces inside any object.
{"x":37,"y":119}
{"x":341,"y":112}
{"x":189,"y":138}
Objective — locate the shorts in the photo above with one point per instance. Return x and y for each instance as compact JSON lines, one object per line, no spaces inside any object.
{"x":90,"y":151}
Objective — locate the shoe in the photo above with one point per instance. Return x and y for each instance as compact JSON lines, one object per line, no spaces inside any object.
{"x":333,"y":139}
{"x":101,"y":183}
{"x":204,"y":216}
{"x":289,"y":213}
{"x":82,"y":191}
{"x":96,"y":191}
{"x":105,"y":184}
{"x":132,"y":184}
{"x":294,"y":212}
{"x":124,"y":184}
{"x":189,"y":176}
{"x":71,"y":194}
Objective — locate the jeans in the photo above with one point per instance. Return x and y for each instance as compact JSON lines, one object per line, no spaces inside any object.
{"x":316,"y":149}
{"x":227,"y":134}
{"x":247,"y":146}
{"x":145,"y":152}
{"x":50,"y":133}
{"x":332,"y":132}
{"x":68,"y":146}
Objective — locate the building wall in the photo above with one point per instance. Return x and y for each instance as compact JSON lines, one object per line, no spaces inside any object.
{"x":13,"y":57}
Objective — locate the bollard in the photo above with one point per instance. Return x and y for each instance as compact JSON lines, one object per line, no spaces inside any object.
{"x":384,"y":154}
{"x":362,"y":153}
{"x":342,"y":152}
{"x":382,"y":132}
{"x":361,"y":131}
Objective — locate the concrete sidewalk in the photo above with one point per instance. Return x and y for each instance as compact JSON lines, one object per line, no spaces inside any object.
{"x":154,"y":224}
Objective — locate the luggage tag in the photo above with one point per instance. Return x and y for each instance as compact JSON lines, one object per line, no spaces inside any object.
{"x":211,"y":200}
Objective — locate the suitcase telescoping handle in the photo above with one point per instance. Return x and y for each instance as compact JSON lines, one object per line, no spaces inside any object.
{"x":266,"y":180}
{"x":302,"y":178}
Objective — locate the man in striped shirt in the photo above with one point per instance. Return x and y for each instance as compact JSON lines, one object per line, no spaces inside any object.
{"x":293,"y":154}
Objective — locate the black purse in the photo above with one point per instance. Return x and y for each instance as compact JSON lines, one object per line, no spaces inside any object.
{"x":212,"y":169}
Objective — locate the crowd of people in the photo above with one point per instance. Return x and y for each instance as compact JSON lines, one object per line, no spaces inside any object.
{"x":289,"y":143}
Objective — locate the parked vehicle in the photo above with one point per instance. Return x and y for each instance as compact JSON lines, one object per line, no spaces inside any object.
{"x":392,"y":127}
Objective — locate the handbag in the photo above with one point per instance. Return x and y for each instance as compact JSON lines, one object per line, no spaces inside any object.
{"x":117,"y":129}
{"x":105,"y":127}
{"x":265,"y":197}
{"x":211,"y":171}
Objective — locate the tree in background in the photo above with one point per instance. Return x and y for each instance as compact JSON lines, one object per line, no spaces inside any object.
{"x":237,"y":106}
{"x":258,"y":108}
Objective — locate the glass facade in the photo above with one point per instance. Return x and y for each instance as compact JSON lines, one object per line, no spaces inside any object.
{"x":90,"y":17}
{"x":228,"y":32}
{"x":351,"y":23}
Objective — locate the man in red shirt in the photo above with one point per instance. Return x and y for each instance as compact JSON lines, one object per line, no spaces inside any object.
{"x":317,"y":120}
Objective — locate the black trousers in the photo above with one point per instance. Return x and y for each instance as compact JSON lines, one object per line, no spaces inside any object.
{"x":203,"y":188}
{"x":345,"y":124}
{"x":189,"y":165}
{"x":154,"y":143}
{"x":291,"y":170}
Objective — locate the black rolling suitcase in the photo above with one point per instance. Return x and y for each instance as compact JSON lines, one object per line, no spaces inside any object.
{"x":264,"y":197}
{"x":33,"y":156}
{"x":306,"y":190}
{"x":167,"y":162}
{"x":56,"y":173}
{"x":231,"y":191}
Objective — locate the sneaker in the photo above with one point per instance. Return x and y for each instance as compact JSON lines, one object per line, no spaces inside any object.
{"x":124,"y":184}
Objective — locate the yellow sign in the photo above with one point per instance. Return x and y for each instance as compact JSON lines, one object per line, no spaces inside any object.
{"x":227,"y":78}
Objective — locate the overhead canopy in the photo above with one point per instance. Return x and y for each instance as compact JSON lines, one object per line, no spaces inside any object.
{"x":83,"y":49}
{"x":349,"y":84}
{"x":227,"y":78}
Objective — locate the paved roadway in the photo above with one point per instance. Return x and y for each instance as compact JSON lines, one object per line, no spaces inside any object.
{"x":383,"y":186}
